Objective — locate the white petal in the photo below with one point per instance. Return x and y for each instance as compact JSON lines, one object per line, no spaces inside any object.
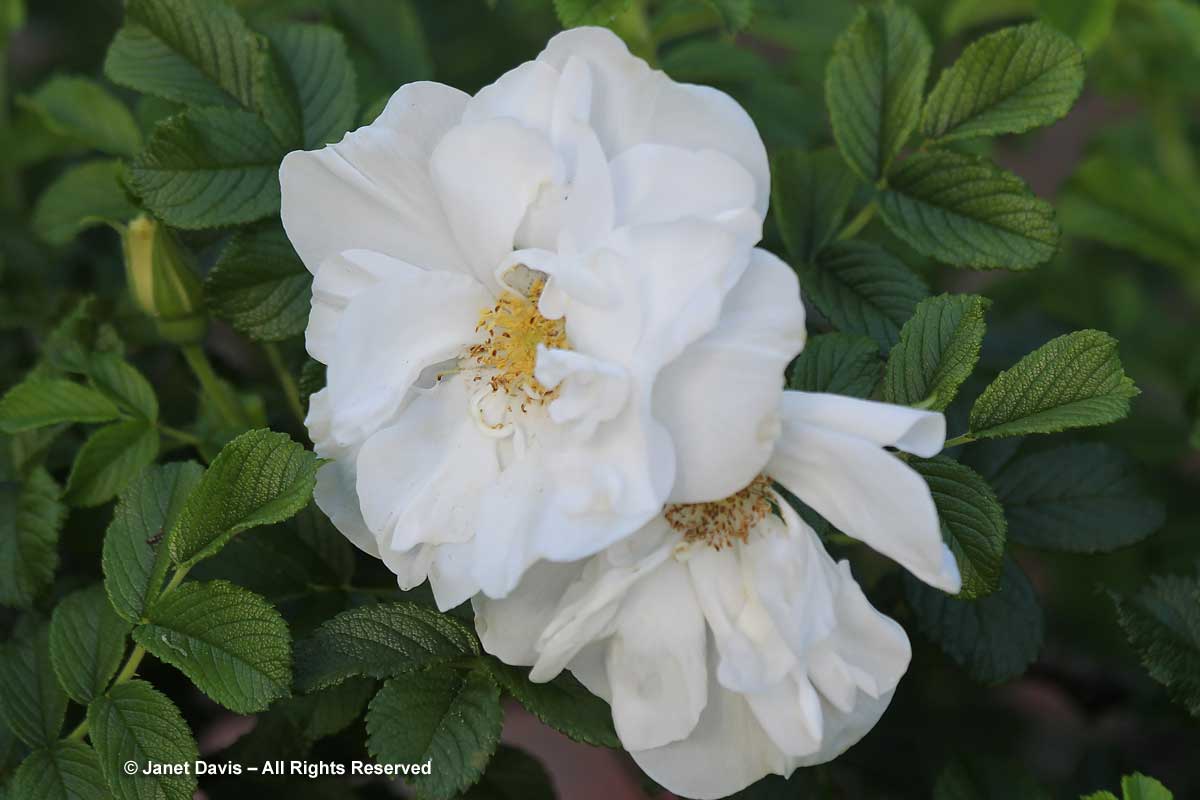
{"x":334,"y":492}
{"x":660,"y":183}
{"x":866,"y":654}
{"x":727,"y":751}
{"x":720,"y":398}
{"x":419,"y":479}
{"x":844,"y":730}
{"x":790,"y":712}
{"x":423,"y":111}
{"x":564,"y":500}
{"x":487,"y":175}
{"x":794,"y":578}
{"x":450,"y":575}
{"x":335,"y":495}
{"x":388,"y":335}
{"x":656,"y":664}
{"x":912,"y":430}
{"x":509,"y":627}
{"x":632,"y":104}
{"x":372,"y":190}
{"x":701,"y":117}
{"x":865,"y":492}
{"x":623,"y":87}
{"x":339,"y":279}
{"x":846,"y":647}
{"x":590,"y":391}
{"x":587,"y":610}
{"x":667,"y":282}
{"x":752,"y":656}
{"x":524,"y":93}
{"x":410,"y":567}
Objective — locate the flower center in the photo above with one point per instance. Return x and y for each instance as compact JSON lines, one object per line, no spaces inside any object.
{"x":720,"y":523}
{"x":512,"y":330}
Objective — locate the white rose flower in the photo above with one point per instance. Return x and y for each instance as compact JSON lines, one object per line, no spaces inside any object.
{"x":728,"y":642}
{"x":532,"y":303}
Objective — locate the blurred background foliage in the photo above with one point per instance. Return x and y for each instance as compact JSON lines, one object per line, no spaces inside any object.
{"x":1121,"y":169}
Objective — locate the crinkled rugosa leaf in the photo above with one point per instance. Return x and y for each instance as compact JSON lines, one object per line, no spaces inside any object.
{"x":967,"y":212}
{"x":1073,"y":381}
{"x":231,"y":642}
{"x":1009,"y":81}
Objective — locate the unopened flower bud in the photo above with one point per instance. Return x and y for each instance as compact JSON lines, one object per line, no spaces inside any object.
{"x":163,"y":281}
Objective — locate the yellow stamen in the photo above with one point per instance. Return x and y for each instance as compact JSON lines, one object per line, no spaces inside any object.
{"x":722,"y":522}
{"x":512,"y":330}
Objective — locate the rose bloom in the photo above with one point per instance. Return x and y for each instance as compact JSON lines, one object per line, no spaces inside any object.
{"x":728,"y":642}
{"x":542,"y":313}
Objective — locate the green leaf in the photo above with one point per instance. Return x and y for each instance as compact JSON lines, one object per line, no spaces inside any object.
{"x":563,"y":703}
{"x":320,"y":81}
{"x":136,"y":722}
{"x":260,"y":285}
{"x":209,"y":167}
{"x":448,"y":717}
{"x":994,"y":638}
{"x":109,"y":460}
{"x":82,"y":197}
{"x":1139,"y":787}
{"x":87,"y":641}
{"x":972,"y":520}
{"x":1162,"y":624}
{"x":1081,"y":498}
{"x":937,"y":351}
{"x":231,"y":643}
{"x":135,"y":559}
{"x":1129,"y":206}
{"x":968,"y":213}
{"x":194,"y":52}
{"x":380,"y":641}
{"x":873,"y":86}
{"x":259,"y":478}
{"x":837,"y":363}
{"x":30,"y":518}
{"x":83,"y":110}
{"x":809,"y":195}
{"x":38,"y":402}
{"x":573,"y":13}
{"x":1009,"y":81}
{"x":31,"y":701}
{"x":60,"y":771}
{"x":1087,"y":22}
{"x":115,"y":378}
{"x":512,"y":774}
{"x":863,"y":289}
{"x":1073,"y":381}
